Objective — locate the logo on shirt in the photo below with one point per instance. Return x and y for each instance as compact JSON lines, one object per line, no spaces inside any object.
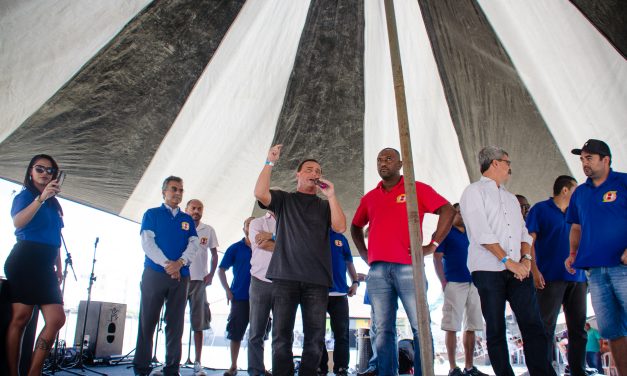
{"x":338,"y":243}
{"x":204,"y":241}
{"x":609,"y":196}
{"x":185,"y":226}
{"x":401,"y":198}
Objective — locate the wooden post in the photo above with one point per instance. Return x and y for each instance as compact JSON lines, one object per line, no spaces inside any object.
{"x":415,"y":232}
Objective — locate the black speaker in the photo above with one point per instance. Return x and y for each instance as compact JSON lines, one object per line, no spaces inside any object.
{"x":104,"y":332}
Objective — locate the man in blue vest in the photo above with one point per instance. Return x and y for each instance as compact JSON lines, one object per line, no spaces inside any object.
{"x":598,"y":243}
{"x":170,"y":242}
{"x":555,"y":287}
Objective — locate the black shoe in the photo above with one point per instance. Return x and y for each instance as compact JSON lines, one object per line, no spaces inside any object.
{"x":474,"y":372}
{"x":455,"y":372}
{"x":341,"y":372}
{"x":368,"y":372}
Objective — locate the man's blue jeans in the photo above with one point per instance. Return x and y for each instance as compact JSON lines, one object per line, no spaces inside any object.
{"x":286,"y":297}
{"x":387,"y":282}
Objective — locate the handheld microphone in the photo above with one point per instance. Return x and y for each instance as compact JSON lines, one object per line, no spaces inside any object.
{"x":97,"y":240}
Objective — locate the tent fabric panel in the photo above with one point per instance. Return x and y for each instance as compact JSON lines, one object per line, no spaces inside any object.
{"x":44,"y":43}
{"x":488,"y":101}
{"x":106,"y":123}
{"x":323,"y":112}
{"x":577,"y":79}
{"x":220,"y":139}
{"x":609,"y":17}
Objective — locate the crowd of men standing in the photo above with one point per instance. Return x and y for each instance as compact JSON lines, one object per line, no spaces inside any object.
{"x":485,"y":255}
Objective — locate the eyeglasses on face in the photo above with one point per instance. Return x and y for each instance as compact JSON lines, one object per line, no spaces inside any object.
{"x":175,"y":189}
{"x":41,"y":169}
{"x":509,"y":163}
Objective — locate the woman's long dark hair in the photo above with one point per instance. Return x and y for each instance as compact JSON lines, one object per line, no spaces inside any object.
{"x":28,"y":181}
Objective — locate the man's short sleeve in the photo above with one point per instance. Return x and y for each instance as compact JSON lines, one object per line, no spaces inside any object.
{"x":228,"y":259}
{"x":276,"y":201}
{"x":572,"y":213}
{"x":532,"y":220}
{"x":360,"y":219}
{"x":346,"y":250}
{"x":430,"y":200}
{"x":212,"y":242}
{"x":148,"y":222}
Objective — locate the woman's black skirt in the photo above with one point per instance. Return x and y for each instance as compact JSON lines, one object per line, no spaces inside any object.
{"x":31,"y":275}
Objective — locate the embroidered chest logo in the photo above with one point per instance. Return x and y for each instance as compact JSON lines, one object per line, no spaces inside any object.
{"x":185,"y":226}
{"x":401,"y":198}
{"x":609,"y":196}
{"x":338,"y":243}
{"x":203,"y":240}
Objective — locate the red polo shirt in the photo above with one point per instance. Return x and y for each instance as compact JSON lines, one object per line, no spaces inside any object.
{"x":386,"y":212}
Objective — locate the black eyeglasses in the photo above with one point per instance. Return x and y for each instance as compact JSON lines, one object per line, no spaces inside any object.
{"x":175,"y":189}
{"x":509,"y":163}
{"x":42,"y":169}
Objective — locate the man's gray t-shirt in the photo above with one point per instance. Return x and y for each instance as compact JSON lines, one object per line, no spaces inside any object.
{"x":302,"y":251}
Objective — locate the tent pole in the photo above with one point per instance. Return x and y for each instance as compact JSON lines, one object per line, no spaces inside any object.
{"x":415,"y":233}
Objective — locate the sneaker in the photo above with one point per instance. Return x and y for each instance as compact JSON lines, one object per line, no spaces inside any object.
{"x":341,"y":372}
{"x":474,"y":372}
{"x":455,"y":372}
{"x":198,"y":371}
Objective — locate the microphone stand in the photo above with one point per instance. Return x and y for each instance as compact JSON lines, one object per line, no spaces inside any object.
{"x":92,"y":279}
{"x":54,"y":367}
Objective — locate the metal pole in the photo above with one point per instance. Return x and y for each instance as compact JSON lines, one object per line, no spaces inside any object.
{"x":415,"y":232}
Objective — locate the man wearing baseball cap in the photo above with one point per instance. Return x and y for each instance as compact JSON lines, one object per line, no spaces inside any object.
{"x":598,"y":243}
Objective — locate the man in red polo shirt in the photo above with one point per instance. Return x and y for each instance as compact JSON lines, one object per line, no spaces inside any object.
{"x":388,"y":252}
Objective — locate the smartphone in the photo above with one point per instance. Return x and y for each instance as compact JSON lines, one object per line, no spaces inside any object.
{"x":320,"y":184}
{"x":61,"y":178}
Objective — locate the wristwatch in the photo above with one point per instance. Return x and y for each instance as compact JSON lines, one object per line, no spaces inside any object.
{"x":182,"y":261}
{"x":527,"y":256}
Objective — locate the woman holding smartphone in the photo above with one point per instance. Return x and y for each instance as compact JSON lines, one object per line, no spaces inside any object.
{"x":33,"y":268}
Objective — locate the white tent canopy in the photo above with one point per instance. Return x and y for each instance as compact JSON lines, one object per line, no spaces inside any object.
{"x":125,"y":93}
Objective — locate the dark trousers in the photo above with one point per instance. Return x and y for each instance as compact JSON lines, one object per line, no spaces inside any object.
{"x":157,"y":288}
{"x":571,"y":295}
{"x":594,"y":361}
{"x":496,"y":288}
{"x":286,"y":297}
{"x":337,"y":307}
{"x":260,"y":297}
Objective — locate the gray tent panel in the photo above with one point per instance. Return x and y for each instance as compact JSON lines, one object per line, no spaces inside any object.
{"x":107,"y":122}
{"x":488,"y":101}
{"x":323,"y":112}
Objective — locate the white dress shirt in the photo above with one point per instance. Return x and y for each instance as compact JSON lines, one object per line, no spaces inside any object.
{"x":260,"y":257}
{"x":492,"y":215}
{"x":207,"y":238}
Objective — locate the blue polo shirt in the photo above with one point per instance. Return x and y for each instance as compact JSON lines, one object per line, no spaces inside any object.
{"x":340,"y":255}
{"x":552,"y":244}
{"x":602,"y":213}
{"x":455,"y":250}
{"x":238,"y":256}
{"x":45,"y":226}
{"x":172,"y":234}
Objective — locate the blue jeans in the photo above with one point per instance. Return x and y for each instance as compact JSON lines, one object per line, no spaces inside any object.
{"x":286,"y":297}
{"x":496,"y":288}
{"x":608,"y":290}
{"x":387,"y":282}
{"x":594,"y":361}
